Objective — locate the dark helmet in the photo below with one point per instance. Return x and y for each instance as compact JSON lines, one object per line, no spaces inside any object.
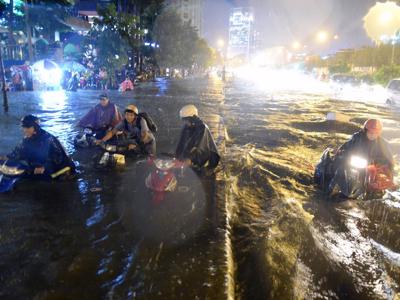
{"x":103,"y":96}
{"x":30,"y":121}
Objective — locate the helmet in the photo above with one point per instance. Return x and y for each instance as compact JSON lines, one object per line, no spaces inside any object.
{"x":132,"y":108}
{"x":30,"y":121}
{"x":188,"y":111}
{"x":373,"y":126}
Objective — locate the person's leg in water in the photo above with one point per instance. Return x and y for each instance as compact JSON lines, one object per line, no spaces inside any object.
{"x":149,"y":148}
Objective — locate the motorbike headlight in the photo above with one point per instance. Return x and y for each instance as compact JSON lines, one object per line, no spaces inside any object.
{"x":164,"y":164}
{"x":358,"y":162}
{"x":111,"y":148}
{"x":11,"y":171}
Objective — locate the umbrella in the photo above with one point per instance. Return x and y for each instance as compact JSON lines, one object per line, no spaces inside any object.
{"x":45,"y":64}
{"x":70,"y":49}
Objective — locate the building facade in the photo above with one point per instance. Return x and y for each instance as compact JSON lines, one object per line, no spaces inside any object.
{"x":242,"y":35}
{"x":190,"y":11}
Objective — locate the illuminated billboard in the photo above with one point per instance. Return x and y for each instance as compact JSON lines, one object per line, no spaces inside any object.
{"x":241,"y":31}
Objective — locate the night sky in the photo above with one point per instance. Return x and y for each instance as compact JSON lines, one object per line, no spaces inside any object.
{"x":280,"y":22}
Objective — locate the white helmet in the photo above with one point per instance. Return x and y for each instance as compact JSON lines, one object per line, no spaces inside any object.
{"x":188,"y":111}
{"x":133,"y":108}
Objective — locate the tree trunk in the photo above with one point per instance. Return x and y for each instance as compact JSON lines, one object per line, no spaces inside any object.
{"x":3,"y":81}
{"x":29,"y":33}
{"x":11,"y":41}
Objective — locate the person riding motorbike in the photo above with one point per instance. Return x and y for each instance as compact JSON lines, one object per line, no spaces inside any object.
{"x":126,"y":85}
{"x":41,"y":151}
{"x":196,"y":146}
{"x":73,"y":83}
{"x":103,"y":117}
{"x":368,"y":144}
{"x":133,"y":131}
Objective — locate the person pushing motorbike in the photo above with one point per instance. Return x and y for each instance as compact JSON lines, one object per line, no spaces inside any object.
{"x":43,"y":153}
{"x":133,"y":131}
{"x":103,"y":117}
{"x":196,"y":145}
{"x":367,"y":144}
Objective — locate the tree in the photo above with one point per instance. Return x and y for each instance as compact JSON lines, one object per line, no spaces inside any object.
{"x":387,"y":73}
{"x":108,"y":37}
{"x":124,"y":24}
{"x":205,"y":56}
{"x":179,"y":45}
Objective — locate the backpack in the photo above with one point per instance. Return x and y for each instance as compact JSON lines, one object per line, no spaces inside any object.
{"x":150,"y":123}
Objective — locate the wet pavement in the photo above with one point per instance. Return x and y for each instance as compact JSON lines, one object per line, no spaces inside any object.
{"x":258,"y":230}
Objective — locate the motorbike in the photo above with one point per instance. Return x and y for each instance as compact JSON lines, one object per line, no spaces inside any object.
{"x":112,"y":155}
{"x":357,"y":180}
{"x":10,"y":173}
{"x":163,"y":178}
{"x":13,"y":171}
{"x":85,"y":139}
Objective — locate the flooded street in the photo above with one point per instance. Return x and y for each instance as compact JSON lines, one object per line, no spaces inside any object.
{"x":259,"y":229}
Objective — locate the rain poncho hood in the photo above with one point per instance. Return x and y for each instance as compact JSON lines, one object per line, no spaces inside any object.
{"x":197,"y":144}
{"x":101,"y":117}
{"x":376,"y":152}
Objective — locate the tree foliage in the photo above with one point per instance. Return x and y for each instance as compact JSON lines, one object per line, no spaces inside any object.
{"x":179,"y":45}
{"x":106,"y":44}
{"x":124,"y":24}
{"x":387,"y":73}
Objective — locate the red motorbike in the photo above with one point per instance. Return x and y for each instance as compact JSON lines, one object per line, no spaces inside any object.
{"x":163,"y":178}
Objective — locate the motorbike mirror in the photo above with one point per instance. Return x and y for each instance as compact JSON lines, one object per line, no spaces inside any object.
{"x":164,"y":164}
{"x":358,"y":162}
{"x":88,"y":130}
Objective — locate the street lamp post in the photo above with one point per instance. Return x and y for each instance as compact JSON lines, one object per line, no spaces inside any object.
{"x":221,"y":46}
{"x":393,"y":51}
{"x":3,"y":81}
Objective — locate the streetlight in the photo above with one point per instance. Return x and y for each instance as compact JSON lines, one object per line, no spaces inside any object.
{"x":296,"y":45}
{"x":322,"y":36}
{"x":385,"y":18}
{"x":221,"y":43}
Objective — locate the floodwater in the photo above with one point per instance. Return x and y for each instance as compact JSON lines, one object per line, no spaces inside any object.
{"x":258,"y":230}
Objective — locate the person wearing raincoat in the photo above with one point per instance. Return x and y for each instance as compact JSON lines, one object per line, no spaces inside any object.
{"x":196,"y":146}
{"x":126,"y":85}
{"x":41,"y":151}
{"x":102,"y":118}
{"x":366,"y":143}
{"x":133,"y":131}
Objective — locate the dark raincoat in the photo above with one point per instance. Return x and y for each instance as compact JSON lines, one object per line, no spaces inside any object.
{"x":42,"y":150}
{"x":101,"y":118}
{"x":197,"y":144}
{"x":376,"y":152}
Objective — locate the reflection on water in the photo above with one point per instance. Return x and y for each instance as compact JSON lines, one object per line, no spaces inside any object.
{"x":102,"y":236}
{"x":260,"y":231}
